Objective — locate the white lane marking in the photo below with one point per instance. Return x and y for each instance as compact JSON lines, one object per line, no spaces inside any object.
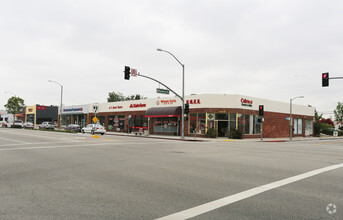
{"x":48,"y":147}
{"x":38,"y":143}
{"x":104,"y":144}
{"x":207,"y":207}
{"x":6,"y":139}
{"x":37,"y":132}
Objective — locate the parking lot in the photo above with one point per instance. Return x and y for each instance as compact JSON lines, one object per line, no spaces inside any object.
{"x":50,"y":175}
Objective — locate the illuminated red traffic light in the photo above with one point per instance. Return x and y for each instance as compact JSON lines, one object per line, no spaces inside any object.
{"x":325,"y":79}
{"x":261,"y":110}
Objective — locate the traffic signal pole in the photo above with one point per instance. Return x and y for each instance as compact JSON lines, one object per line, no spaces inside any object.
{"x":161,"y":84}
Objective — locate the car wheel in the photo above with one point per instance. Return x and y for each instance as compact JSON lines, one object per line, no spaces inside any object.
{"x":83,"y":131}
{"x":102,"y":133}
{"x":92,"y":132}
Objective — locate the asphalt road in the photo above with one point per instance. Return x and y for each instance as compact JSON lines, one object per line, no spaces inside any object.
{"x":49,"y":175}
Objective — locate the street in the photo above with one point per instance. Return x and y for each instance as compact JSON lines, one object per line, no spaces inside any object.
{"x":51,"y":175}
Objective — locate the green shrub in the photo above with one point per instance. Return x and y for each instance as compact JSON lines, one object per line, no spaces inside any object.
{"x":16,"y":126}
{"x":211,"y":133}
{"x":317,"y":129}
{"x":235,"y":134}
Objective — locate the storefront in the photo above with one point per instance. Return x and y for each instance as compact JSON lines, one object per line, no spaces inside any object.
{"x":75,"y":114}
{"x":37,"y":114}
{"x":220,"y":112}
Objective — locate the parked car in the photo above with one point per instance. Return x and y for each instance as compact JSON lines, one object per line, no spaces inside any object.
{"x":28,"y":125}
{"x":47,"y":125}
{"x":73,"y":127}
{"x":15,"y":124}
{"x":94,"y":129}
{"x":3,"y":124}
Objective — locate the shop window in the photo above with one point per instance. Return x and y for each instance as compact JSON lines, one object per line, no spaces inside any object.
{"x":192,"y":123}
{"x":210,"y":120}
{"x":248,"y":124}
{"x":139,"y":121}
{"x":298,"y":126}
{"x":308,"y":127}
{"x":157,"y":125}
{"x":116,"y":122}
{"x":166,"y":125}
{"x":197,"y":123}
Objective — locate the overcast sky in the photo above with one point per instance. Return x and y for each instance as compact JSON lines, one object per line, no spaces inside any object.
{"x":269,"y":49}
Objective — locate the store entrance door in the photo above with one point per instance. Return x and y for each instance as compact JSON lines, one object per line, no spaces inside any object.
{"x":222,"y":128}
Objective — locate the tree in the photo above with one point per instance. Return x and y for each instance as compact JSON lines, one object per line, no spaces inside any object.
{"x":115,"y":97}
{"x":118,"y":97}
{"x":326,"y":121}
{"x":339,"y":112}
{"x":135,"y":97}
{"x":317,"y":116}
{"x":14,"y":105}
{"x":318,"y":126}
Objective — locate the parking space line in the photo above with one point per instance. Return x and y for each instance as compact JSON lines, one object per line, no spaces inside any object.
{"x":207,"y":207}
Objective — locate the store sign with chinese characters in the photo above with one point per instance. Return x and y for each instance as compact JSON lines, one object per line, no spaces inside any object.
{"x":246,"y":102}
{"x":193,"y":101}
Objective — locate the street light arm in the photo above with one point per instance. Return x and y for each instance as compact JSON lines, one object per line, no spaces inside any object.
{"x":55,"y":82}
{"x":172,"y":55}
{"x":297,"y":97}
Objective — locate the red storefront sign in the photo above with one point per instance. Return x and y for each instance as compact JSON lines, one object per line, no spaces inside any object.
{"x":115,"y":107}
{"x":38,"y":107}
{"x":140,"y":105}
{"x":193,"y":101}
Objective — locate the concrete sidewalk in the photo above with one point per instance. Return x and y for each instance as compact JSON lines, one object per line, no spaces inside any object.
{"x":166,"y":137}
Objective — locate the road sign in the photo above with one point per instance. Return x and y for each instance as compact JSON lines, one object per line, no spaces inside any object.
{"x":163,"y":91}
{"x":287,"y":118}
{"x":133,"y":72}
{"x":95,"y":120}
{"x":96,"y":108}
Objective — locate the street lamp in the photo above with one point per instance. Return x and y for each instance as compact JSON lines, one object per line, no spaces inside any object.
{"x":61,"y":101}
{"x":290,"y":118}
{"x":183,"y":92}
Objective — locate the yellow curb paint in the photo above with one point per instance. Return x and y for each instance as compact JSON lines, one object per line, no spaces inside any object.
{"x":95,"y":136}
{"x":229,"y":140}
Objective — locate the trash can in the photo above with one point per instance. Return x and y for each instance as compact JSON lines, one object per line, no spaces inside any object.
{"x":146,"y":132}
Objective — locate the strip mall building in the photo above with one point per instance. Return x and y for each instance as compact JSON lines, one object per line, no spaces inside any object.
{"x":222,"y":112}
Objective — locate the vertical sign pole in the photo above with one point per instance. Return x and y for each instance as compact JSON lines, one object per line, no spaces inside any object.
{"x":262,"y":129}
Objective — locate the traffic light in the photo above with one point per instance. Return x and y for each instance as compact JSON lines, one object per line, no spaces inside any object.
{"x":186,"y":111}
{"x":260,"y":110}
{"x":127,"y":73}
{"x":325,"y":79}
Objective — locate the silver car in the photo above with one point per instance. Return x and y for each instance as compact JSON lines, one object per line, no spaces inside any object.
{"x":28,"y":125}
{"x":47,"y":125}
{"x":94,"y":129}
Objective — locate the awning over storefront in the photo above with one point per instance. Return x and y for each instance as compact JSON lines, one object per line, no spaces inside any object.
{"x":164,"y":112}
{"x":20,"y":115}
